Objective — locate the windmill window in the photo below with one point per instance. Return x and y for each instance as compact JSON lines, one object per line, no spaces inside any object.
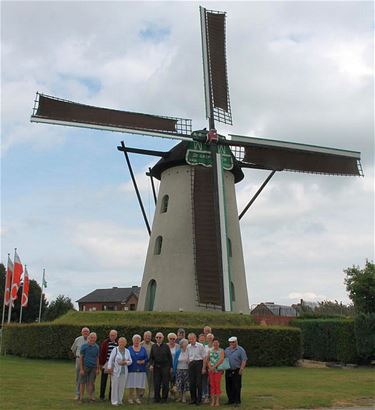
{"x":164,"y":204}
{"x":229,"y":245}
{"x":150,"y":295}
{"x":232,"y":291}
{"x":158,"y":245}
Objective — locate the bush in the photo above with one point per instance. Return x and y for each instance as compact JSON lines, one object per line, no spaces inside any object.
{"x":328,"y":339}
{"x":364,"y":327}
{"x":265,"y":346}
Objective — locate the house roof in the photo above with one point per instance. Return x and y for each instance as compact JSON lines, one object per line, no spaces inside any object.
{"x":114,"y":294}
{"x":279,"y":310}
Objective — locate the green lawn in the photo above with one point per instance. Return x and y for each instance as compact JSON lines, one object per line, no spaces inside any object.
{"x":37,"y":384}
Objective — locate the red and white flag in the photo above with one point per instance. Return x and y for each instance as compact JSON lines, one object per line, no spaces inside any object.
{"x":17,"y":272}
{"x":8,"y":281}
{"x":25,"y":289}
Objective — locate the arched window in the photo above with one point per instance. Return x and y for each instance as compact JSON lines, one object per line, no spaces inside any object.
{"x":232,"y":291}
{"x":158,"y":245}
{"x":164,"y":204}
{"x":150,"y":295}
{"x":229,"y":246}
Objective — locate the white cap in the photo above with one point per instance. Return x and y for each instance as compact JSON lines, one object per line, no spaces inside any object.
{"x":232,"y":339}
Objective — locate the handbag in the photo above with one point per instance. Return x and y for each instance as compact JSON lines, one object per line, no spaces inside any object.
{"x":225,"y":365}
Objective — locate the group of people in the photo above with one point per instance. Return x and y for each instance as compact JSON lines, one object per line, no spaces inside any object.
{"x":159,"y":369}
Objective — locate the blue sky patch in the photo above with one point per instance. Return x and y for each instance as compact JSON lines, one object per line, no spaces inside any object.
{"x":153,"y":32}
{"x":92,"y":84}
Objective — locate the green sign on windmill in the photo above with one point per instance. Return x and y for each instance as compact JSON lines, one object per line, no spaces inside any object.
{"x":199,"y":153}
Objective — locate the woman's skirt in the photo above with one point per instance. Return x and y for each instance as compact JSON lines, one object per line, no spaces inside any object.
{"x":136,"y":380}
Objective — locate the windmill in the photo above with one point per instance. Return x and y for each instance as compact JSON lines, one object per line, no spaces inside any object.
{"x":194,"y":259}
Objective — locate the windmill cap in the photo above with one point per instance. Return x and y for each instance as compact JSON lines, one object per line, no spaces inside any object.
{"x":176,"y":157}
{"x":232,"y":339}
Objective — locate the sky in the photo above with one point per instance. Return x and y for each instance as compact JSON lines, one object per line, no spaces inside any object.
{"x":298,"y":71}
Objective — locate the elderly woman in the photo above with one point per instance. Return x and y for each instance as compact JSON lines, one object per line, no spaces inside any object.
{"x":137,"y":371}
{"x":215,"y":358}
{"x":181,"y":370}
{"x":118,"y":363}
{"x":173,"y":347}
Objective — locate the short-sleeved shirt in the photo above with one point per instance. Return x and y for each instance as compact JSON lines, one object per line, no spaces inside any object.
{"x":196,"y":352}
{"x":90,"y":353}
{"x":236,"y":356}
{"x":77,"y":344}
{"x":147,"y":346}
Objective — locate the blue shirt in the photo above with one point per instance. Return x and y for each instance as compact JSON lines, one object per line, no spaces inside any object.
{"x":141,"y":355}
{"x":90,"y":353}
{"x":236,"y":356}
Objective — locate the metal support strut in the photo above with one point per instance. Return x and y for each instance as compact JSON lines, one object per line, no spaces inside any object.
{"x":256,"y":194}
{"x":123,"y":149}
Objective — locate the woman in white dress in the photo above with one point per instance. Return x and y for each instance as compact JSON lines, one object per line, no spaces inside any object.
{"x":118,"y":363}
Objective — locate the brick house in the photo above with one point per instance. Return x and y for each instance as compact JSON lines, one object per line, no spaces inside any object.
{"x":271,"y":314}
{"x":115,"y":299}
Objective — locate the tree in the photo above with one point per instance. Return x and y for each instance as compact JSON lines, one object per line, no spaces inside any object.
{"x":329,"y":308}
{"x":29,"y":313}
{"x":360,"y":284}
{"x":58,"y":307}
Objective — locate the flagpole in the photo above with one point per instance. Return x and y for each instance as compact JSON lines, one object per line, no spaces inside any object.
{"x":23,"y":285}
{"x":5,"y":284}
{"x":11,"y":290}
{"x":41,"y":297}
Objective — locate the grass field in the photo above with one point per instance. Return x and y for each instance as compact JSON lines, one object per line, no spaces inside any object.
{"x":37,"y":385}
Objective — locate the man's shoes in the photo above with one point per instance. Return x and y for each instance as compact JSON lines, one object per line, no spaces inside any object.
{"x":193,"y":402}
{"x":229,"y":403}
{"x":236,"y":405}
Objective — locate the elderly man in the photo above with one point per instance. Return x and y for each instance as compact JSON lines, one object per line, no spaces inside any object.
{"x":233,"y":376}
{"x":89,"y":366}
{"x":161,"y":364}
{"x":147,"y":344}
{"x":106,"y":348}
{"x":76,"y":348}
{"x":180,"y":335}
{"x":197,"y":367}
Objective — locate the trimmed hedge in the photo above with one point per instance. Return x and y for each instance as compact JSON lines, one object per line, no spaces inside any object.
{"x":364,"y":326}
{"x":328,"y":339}
{"x":265,"y":346}
{"x":164,"y":319}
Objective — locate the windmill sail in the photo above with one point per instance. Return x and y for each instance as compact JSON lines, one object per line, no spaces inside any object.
{"x":290,"y":156}
{"x":215,"y":66}
{"x":207,"y":253}
{"x":57,"y":111}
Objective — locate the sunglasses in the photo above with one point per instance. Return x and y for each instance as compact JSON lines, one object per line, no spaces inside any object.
{"x":158,"y":337}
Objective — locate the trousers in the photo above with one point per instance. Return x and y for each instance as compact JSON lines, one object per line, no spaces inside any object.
{"x":103,"y":385}
{"x":161,"y":380}
{"x":117,"y":388}
{"x":195,"y":380}
{"x":215,"y":379}
{"x":233,"y":384}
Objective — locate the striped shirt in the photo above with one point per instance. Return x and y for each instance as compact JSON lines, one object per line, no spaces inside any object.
{"x":111,"y":346}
